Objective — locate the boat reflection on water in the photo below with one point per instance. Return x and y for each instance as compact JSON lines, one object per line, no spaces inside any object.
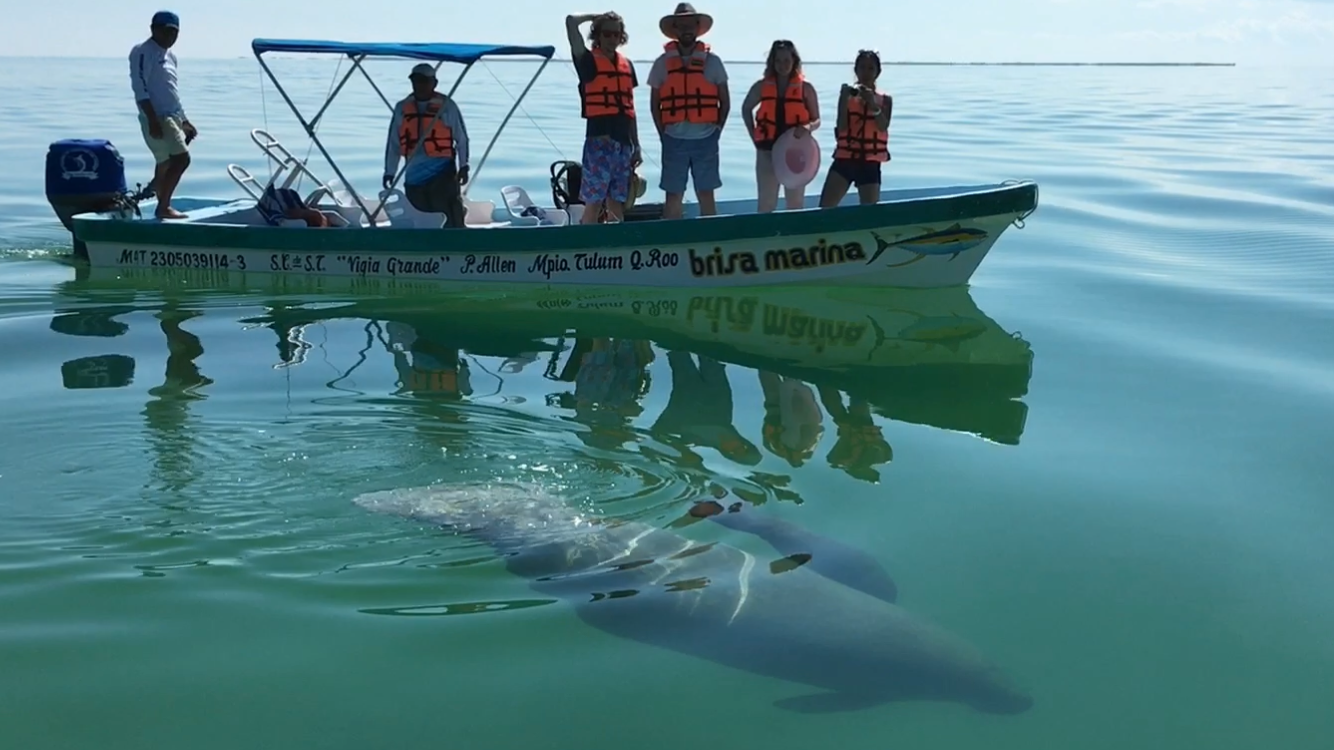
{"x":821,"y":361}
{"x":166,"y":413}
{"x":95,"y":370}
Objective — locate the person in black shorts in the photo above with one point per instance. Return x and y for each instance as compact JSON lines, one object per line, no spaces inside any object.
{"x":861,"y":136}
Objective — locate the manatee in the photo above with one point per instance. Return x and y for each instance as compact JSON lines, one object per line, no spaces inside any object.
{"x":716,"y":602}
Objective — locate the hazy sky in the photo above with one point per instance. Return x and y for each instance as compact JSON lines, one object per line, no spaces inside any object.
{"x":1242,"y":31}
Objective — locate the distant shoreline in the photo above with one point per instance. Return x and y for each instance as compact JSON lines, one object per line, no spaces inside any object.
{"x":886,"y":63}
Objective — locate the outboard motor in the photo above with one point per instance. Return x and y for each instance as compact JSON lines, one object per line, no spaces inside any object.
{"x":87,"y":176}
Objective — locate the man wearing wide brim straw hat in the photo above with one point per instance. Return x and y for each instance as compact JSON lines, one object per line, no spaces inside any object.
{"x":690,"y":103}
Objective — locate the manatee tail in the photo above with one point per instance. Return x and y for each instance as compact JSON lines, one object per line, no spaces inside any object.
{"x":800,"y":547}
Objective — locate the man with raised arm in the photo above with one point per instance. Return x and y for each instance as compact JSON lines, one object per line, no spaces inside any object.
{"x":607,"y":81}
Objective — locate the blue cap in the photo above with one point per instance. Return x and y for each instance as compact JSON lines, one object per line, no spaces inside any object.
{"x":166,"y":18}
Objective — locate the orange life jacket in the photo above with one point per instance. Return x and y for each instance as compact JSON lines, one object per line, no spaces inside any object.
{"x":772,"y":431}
{"x":432,"y":381}
{"x":794,"y":108}
{"x":686,"y":95}
{"x":611,"y":92}
{"x":439,"y":142}
{"x":860,"y":446}
{"x":862,"y":140}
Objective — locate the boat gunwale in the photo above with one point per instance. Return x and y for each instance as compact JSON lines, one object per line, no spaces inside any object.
{"x":947,"y":204}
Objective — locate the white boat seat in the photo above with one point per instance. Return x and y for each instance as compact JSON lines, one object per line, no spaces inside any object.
{"x":479,"y":212}
{"x":524,"y":211}
{"x":481,"y":215}
{"x":556,"y":217}
{"x":402,"y":214}
{"x":576,"y":212}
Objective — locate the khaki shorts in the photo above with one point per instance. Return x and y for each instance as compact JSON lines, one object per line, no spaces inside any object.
{"x":172,"y":141}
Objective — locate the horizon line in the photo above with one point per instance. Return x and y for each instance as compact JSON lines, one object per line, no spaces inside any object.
{"x":886,"y":63}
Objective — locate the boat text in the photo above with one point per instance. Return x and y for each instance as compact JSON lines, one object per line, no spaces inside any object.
{"x":652,"y":308}
{"x":720,"y":263}
{"x":488,"y":264}
{"x":740,"y":315}
{"x":180,"y":259}
{"x":296,"y":262}
{"x":547,"y":264}
{"x":365,"y":265}
{"x":654,"y":258}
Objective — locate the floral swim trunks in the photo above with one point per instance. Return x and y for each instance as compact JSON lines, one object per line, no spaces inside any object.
{"x":606,"y":170}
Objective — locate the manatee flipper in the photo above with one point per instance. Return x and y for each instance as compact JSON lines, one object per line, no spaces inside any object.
{"x":791,"y":562}
{"x":828,"y":703}
{"x":830,"y":558}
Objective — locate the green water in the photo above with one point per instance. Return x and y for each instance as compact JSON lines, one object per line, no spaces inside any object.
{"x":1101,"y":465}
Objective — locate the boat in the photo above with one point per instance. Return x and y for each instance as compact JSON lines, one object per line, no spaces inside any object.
{"x":913,"y":237}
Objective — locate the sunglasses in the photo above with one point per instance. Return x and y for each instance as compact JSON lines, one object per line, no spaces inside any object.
{"x":610,"y":33}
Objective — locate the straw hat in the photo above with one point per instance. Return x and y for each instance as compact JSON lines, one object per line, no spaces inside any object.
{"x":638,"y":186}
{"x":685,"y":10}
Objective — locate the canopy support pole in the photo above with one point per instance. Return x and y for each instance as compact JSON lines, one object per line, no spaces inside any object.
{"x":371,"y":81}
{"x":356,"y":63}
{"x":310,"y":130}
{"x":473,"y":177}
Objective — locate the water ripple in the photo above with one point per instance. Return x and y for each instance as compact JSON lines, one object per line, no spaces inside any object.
{"x":240,"y":495}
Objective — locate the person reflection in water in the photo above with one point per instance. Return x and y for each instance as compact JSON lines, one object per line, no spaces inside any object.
{"x":426,"y":368}
{"x":860,"y":445}
{"x":699,"y":409}
{"x":167,"y":412}
{"x":793,"y":423}
{"x":610,"y":377}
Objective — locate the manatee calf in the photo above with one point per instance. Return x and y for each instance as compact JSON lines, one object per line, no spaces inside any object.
{"x":715,"y":602}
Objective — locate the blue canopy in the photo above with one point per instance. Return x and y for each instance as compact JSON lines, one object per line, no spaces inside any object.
{"x":458,"y":53}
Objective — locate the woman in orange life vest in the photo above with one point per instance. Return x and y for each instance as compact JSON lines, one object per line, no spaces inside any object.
{"x":786,"y":102}
{"x":607,"y":81}
{"x":862,"y":136}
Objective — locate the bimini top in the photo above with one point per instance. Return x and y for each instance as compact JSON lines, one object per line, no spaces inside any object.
{"x":458,"y":53}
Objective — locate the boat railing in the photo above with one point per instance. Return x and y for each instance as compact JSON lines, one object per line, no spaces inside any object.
{"x":286,"y":161}
{"x":283,"y":161}
{"x":242,"y":177}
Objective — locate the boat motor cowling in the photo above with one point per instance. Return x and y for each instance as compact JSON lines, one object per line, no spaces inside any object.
{"x":84,"y":175}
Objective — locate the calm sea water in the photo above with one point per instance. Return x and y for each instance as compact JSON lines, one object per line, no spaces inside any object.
{"x":1102,"y":464}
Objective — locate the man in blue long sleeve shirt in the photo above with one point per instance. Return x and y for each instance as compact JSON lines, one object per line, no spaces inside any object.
{"x":162,"y":119}
{"x":438,"y":162}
